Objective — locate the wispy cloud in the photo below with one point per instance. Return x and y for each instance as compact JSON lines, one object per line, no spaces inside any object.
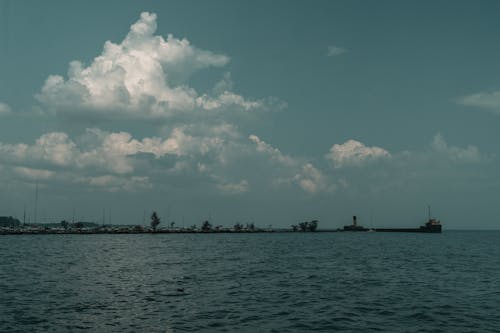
{"x":4,"y":109}
{"x":234,"y":188}
{"x":486,"y":100}
{"x":469,"y":154}
{"x":335,"y":50}
{"x":294,"y":170}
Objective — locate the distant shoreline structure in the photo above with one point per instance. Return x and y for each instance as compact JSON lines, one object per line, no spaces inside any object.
{"x":131,"y":231}
{"x":12,"y":226}
{"x":134,"y":231}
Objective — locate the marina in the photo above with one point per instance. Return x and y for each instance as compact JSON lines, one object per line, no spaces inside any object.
{"x":12,"y":226}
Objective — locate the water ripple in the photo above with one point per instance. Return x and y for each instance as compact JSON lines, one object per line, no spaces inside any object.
{"x":344,"y":282}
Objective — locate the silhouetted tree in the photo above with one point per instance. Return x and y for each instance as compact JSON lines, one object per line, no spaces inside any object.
{"x":9,"y":221}
{"x":306,"y":226}
{"x":79,"y":225}
{"x":237,"y":227}
{"x":172,"y":224}
{"x":155,"y":221}
{"x":303,"y":226}
{"x":64,"y":224}
{"x":313,"y":225}
{"x":206,"y":226}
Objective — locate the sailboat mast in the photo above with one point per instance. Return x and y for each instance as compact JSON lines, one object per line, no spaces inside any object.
{"x":36,"y":202}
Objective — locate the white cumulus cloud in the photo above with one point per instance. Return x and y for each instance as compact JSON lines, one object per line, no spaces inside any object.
{"x":144,"y":76}
{"x":354,"y":153}
{"x":100,"y":158}
{"x":109,"y":151}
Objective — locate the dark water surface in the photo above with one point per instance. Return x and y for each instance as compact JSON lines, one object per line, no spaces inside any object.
{"x":324,"y":282}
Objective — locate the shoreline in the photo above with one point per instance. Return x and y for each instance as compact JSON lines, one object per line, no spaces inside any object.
{"x":122,"y":232}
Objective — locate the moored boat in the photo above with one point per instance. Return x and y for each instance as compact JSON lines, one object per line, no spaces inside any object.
{"x":431,"y":226}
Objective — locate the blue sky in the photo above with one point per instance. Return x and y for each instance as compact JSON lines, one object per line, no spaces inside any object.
{"x":271,"y":112}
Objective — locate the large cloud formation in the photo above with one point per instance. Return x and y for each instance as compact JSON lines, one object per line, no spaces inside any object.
{"x":147,"y":77}
{"x":144,"y":76}
{"x":114,"y":160}
{"x":98,"y":157}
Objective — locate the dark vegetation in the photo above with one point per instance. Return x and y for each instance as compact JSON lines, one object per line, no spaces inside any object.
{"x":9,"y":221}
{"x":11,"y":225}
{"x":306,"y":226}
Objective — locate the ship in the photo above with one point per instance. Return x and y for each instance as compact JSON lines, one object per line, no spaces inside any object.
{"x":354,"y":226}
{"x":431,"y":226}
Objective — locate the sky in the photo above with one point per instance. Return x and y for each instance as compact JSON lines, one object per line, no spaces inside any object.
{"x":265,"y":112}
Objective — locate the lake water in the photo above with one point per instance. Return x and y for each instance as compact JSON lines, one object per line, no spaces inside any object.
{"x":289,"y":282}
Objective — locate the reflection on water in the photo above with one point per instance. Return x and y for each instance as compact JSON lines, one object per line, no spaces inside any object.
{"x":251,"y":282}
